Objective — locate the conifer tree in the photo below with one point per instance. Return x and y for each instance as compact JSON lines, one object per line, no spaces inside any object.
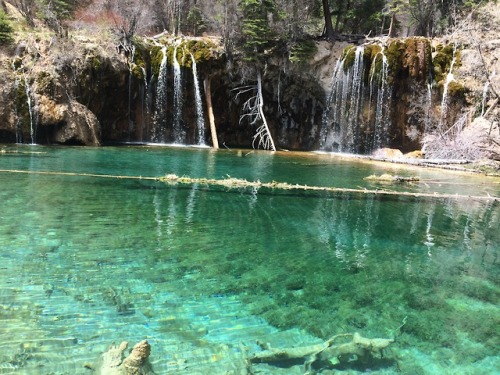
{"x":5,"y":29}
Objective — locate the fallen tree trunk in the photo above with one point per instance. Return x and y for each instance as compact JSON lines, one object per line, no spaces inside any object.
{"x":360,"y":347}
{"x":242,"y":183}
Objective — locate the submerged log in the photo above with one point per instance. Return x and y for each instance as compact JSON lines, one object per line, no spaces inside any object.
{"x":360,"y":347}
{"x":389,"y":178}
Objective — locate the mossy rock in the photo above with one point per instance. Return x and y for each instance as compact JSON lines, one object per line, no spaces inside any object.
{"x":202,"y":50}
{"x":443,"y":59}
{"x":348,"y":55}
{"x":96,"y":63}
{"x":22,"y":108}
{"x":456,"y":90}
{"x":45,"y":83}
{"x":394,"y":53}
{"x":138,"y":72}
{"x":418,"y":58}
{"x":156,"y":59}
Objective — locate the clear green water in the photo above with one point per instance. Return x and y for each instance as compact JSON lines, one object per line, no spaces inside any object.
{"x":86,"y":262}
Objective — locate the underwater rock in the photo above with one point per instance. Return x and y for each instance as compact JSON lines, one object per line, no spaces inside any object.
{"x":387,"y":153}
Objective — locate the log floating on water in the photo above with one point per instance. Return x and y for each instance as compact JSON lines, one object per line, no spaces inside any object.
{"x":232,"y":182}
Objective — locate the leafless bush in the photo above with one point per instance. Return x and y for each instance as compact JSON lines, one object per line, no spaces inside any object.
{"x":453,"y":144}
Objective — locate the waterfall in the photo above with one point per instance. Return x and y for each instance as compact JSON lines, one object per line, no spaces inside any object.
{"x":200,"y":122}
{"x":344,"y":106}
{"x":444,"y":101}
{"x":31,"y":111}
{"x":428,"y":115}
{"x":382,"y":120}
{"x":158,"y":134}
{"x":325,"y":123}
{"x":485,"y":94}
{"x":349,"y":128}
{"x":179,"y":133}
{"x":130,"y":75}
{"x":144,"y":100}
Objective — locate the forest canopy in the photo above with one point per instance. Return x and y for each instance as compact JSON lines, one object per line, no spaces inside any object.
{"x":271,"y":19}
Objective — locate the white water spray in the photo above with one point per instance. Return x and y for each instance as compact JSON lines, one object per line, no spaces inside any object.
{"x":444,"y":102}
{"x":344,"y":105}
{"x":178,"y":132}
{"x":381,"y":114}
{"x":200,"y":120}
{"x":486,"y":90}
{"x":161,"y":101}
{"x":31,"y":111}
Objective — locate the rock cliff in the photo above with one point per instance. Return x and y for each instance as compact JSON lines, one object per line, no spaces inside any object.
{"x":383,"y":93}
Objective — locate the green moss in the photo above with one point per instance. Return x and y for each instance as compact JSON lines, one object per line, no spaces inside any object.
{"x":22,"y":109}
{"x":456,"y":89}
{"x":394,"y":53}
{"x":45,"y":83}
{"x":137,"y":72}
{"x":348,"y":55}
{"x":96,"y":63}
{"x":443,"y":59}
{"x":156,"y":59}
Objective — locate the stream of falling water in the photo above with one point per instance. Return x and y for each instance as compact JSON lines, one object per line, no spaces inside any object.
{"x":444,"y":101}
{"x":161,"y":101}
{"x":348,"y":131}
{"x":200,"y":123}
{"x":179,"y":134}
{"x":381,"y":114}
{"x":31,"y":111}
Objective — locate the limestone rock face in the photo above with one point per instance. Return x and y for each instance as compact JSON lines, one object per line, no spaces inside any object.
{"x":78,"y":125}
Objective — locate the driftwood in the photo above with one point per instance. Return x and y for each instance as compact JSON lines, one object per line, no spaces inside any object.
{"x":113,"y":361}
{"x":359,"y":348}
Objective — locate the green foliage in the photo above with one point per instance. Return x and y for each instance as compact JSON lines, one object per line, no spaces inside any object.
{"x":257,"y":35}
{"x":302,"y":50}
{"x":5,"y":29}
{"x":195,"y":23}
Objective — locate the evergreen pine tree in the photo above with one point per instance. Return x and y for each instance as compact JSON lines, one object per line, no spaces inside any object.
{"x":5,"y":29}
{"x":257,"y":35}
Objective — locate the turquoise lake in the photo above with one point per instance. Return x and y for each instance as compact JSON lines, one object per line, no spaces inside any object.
{"x":205,"y":272}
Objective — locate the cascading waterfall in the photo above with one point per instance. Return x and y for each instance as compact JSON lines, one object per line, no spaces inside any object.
{"x":130,"y":74}
{"x":200,"y":122}
{"x":327,"y":114}
{"x":428,"y":114}
{"x":344,"y":106}
{"x":144,"y":101}
{"x":31,"y":111}
{"x":161,"y":101}
{"x":444,"y":102}
{"x":382,"y":122}
{"x":179,"y":134}
{"x":486,"y":90}
{"x":349,"y":131}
